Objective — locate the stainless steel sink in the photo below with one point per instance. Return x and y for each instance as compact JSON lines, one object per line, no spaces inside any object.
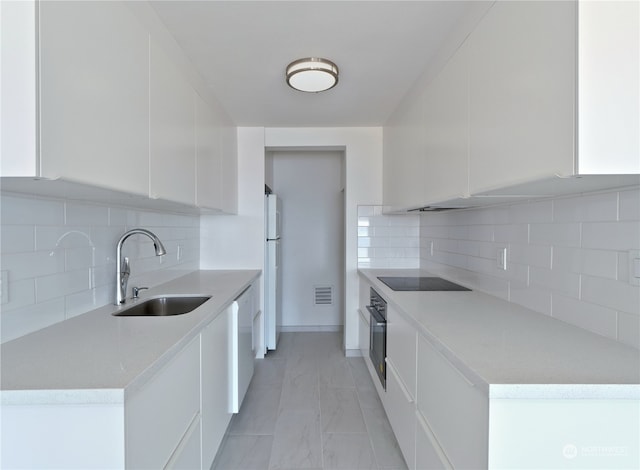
{"x":163,"y":306}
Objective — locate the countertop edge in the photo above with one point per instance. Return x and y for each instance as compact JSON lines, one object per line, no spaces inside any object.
{"x":117,"y":391}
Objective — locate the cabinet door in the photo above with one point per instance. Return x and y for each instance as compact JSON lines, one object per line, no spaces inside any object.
{"x":609,"y":96}
{"x":160,"y":412}
{"x":209,"y":178}
{"x":94,"y":95}
{"x":400,"y":409}
{"x":403,"y":155}
{"x":522,"y":93}
{"x":215,"y":388}
{"x":172,"y":130}
{"x":455,"y":410}
{"x":446,"y":131}
{"x":229,"y":157}
{"x":429,"y":454}
{"x":241,"y":347}
{"x":187,"y":456}
{"x":401,"y":349}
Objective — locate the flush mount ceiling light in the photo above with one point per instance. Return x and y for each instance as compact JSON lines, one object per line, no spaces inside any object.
{"x":312,"y":74}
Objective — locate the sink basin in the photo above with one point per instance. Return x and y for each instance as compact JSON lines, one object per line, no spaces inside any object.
{"x":163,"y":306}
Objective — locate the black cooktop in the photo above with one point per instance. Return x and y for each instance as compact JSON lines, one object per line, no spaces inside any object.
{"x":421,"y":284}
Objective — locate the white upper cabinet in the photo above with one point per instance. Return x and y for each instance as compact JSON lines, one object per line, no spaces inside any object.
{"x":403,"y":141}
{"x":93,"y":98}
{"x":446,"y":119}
{"x":522,"y":93}
{"x":208,"y":156}
{"x":172,"y":125}
{"x":536,"y":91}
{"x":608,"y":92}
{"x":99,"y":94}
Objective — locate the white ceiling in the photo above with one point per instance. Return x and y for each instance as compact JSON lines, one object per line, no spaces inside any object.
{"x":241,"y":48}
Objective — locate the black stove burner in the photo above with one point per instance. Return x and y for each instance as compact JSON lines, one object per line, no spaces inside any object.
{"x":421,"y":284}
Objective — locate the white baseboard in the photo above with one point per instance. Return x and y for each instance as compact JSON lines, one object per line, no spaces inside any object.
{"x":353,"y":353}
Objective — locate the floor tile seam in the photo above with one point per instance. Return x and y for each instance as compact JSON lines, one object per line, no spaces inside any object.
{"x":320,"y":420}
{"x":369,"y":433}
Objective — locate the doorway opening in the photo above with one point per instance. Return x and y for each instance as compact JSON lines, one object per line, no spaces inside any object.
{"x":310,"y":184}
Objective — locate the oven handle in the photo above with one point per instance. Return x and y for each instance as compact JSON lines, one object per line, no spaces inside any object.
{"x":380,"y":321}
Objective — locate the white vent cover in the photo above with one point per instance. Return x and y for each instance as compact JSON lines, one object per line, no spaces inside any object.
{"x":323,"y":295}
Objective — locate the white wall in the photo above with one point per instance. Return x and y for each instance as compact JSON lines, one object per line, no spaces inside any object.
{"x":309,"y":185}
{"x":567,"y":257}
{"x":363,"y":186}
{"x":59,"y":256}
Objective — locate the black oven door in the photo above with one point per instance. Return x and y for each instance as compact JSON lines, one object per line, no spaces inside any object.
{"x":378,"y":344}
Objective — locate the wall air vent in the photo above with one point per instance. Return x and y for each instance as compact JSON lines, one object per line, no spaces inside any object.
{"x":323,"y":295}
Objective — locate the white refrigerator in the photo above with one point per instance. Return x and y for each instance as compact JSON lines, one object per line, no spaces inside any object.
{"x":273,"y":275}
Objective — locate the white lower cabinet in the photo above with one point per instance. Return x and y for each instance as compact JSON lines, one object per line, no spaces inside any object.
{"x":429,"y":454}
{"x":187,"y":455}
{"x":241,"y":347}
{"x":159,"y":415}
{"x":400,"y":407}
{"x":455,"y":409}
{"x":215,"y":409}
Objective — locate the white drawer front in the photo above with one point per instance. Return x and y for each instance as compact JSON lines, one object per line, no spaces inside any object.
{"x":400,"y":408}
{"x":456,"y":411}
{"x":158,"y":414}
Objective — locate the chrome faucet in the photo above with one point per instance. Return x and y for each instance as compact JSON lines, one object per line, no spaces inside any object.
{"x":123,"y":269}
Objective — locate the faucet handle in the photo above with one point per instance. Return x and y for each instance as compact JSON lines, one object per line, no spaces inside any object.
{"x":126,"y":269}
{"x":136,"y":290}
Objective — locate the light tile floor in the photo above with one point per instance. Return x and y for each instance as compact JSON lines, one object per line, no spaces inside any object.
{"x":309,"y":407}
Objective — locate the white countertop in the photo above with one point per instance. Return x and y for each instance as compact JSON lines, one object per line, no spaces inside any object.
{"x":513,"y":351}
{"x":97,"y":357}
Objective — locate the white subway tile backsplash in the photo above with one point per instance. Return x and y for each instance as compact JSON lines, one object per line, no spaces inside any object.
{"x":600,"y":263}
{"x":60,"y":255}
{"x":629,"y":329}
{"x":566,"y":255}
{"x":612,"y":294}
{"x":559,"y":234}
{"x":600,"y":320}
{"x":390,"y":241}
{"x":619,"y":236}
{"x":511,"y":233}
{"x":18,"y":210}
{"x":532,"y":255}
{"x":629,"y":205}
{"x":532,"y":297}
{"x":59,"y":285}
{"x":531,"y":212}
{"x":591,"y":208}
{"x":17,"y":238}
{"x":83,"y":214}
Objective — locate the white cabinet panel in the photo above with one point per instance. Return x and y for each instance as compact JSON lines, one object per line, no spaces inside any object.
{"x":187,"y":456}
{"x":403,"y":155}
{"x":429,"y":454}
{"x":564,"y":433}
{"x":215,"y":412}
{"x":400,"y":408}
{"x":456,"y":411}
{"x":208,"y":156}
{"x":172,"y":130}
{"x":229,"y":157}
{"x":446,"y":131}
{"x":241,"y":347}
{"x":522,"y":93}
{"x":158,"y":415}
{"x":94,"y":101}
{"x":608,"y":93}
{"x":401,"y":348}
